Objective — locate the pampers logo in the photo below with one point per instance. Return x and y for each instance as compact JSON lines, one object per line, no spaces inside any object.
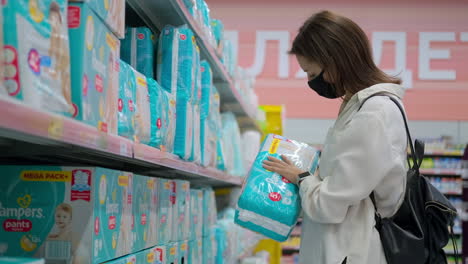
{"x":14,"y":221}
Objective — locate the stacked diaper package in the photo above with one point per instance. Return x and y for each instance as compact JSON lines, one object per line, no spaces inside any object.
{"x":10,"y":260}
{"x":95,"y":68}
{"x":231,"y":139}
{"x":176,"y":73}
{"x":218,"y":31}
{"x":37,"y":54}
{"x":61,"y":213}
{"x":209,"y":222}
{"x":137,"y":49}
{"x":207,"y":140}
{"x":112,"y":13}
{"x":196,"y":104}
{"x":215,"y":128}
{"x":267,"y":195}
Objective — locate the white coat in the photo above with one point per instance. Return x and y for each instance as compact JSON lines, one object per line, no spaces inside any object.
{"x":364,"y":151}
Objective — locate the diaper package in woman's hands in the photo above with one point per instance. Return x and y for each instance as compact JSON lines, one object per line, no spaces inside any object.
{"x":269,"y":203}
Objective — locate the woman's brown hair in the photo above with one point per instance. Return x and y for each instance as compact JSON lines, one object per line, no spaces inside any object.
{"x":341,"y":48}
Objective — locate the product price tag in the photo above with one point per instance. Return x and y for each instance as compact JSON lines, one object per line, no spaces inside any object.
{"x":55,"y":129}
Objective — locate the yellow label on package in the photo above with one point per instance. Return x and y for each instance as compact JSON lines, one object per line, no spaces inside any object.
{"x":123,"y":180}
{"x":141,"y":81}
{"x":274,"y":146}
{"x":46,"y":176}
{"x":112,"y":41}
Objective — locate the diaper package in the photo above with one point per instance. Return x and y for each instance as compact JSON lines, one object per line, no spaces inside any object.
{"x":183,"y":256}
{"x":176,"y":73}
{"x":159,"y":113}
{"x":232,"y":144}
{"x":126,"y":102}
{"x":181,"y":227}
{"x":215,"y":128}
{"x":196,"y":213}
{"x":128,"y":259}
{"x":95,"y":69}
{"x":266,"y":195}
{"x":209,"y":211}
{"x":169,"y":121}
{"x":160,"y":253}
{"x":137,"y":49}
{"x":111,"y":12}
{"x":11,"y":260}
{"x":206,"y":86}
{"x":144,"y":231}
{"x":218,"y":30}
{"x":195,"y":251}
{"x":143,"y":111}
{"x":209,"y":249}
{"x":173,"y":252}
{"x":196,"y":101}
{"x":36,"y":51}
{"x":146,"y":256}
{"x":167,"y":200}
{"x":68,"y":214}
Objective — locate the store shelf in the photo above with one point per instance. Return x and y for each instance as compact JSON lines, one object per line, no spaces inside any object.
{"x":30,"y":136}
{"x":447,"y":172}
{"x":452,"y":194}
{"x":192,"y":171}
{"x":158,"y":13}
{"x":455,"y":153}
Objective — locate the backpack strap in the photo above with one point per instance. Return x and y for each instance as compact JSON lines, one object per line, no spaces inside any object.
{"x":410,"y":141}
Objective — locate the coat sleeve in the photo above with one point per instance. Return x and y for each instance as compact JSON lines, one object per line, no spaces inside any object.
{"x":364,"y":157}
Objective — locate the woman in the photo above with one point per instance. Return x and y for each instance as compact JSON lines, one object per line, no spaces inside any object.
{"x":364,"y":152}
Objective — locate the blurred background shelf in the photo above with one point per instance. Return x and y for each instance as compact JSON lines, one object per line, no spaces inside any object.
{"x":159,"y":13}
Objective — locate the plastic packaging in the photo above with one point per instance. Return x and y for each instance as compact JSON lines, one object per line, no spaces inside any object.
{"x":196,"y":214}
{"x":67,"y":205}
{"x":232,"y":145}
{"x":143,"y":111}
{"x":137,"y":49}
{"x":167,"y":200}
{"x":13,"y":260}
{"x":37,"y":58}
{"x":270,"y":204}
{"x":196,"y":154}
{"x":177,"y":74}
{"x":218,"y":30}
{"x":111,"y":12}
{"x":206,"y":87}
{"x":251,"y":141}
{"x":169,"y":121}
{"x":94,"y":68}
{"x":158,"y":112}
{"x":126,"y":102}
{"x":181,"y":218}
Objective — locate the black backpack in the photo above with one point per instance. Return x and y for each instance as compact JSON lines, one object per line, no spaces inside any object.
{"x":422,"y":226}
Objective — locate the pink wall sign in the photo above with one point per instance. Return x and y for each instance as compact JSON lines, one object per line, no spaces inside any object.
{"x":425,"y":43}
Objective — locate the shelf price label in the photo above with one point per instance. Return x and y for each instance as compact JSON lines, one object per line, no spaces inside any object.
{"x":55,"y":129}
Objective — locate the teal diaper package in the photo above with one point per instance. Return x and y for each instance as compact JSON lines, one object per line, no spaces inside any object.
{"x":112,"y":12}
{"x":36,"y":54}
{"x":160,"y":254}
{"x":144,"y":228}
{"x":95,"y":69}
{"x":176,"y":73}
{"x":215,"y":127}
{"x":169,"y":121}
{"x":195,"y":251}
{"x":209,"y":211}
{"x":218,"y":30}
{"x":128,"y":259}
{"x":126,"y":102}
{"x":159,"y":110}
{"x":183,"y":256}
{"x":206,"y":86}
{"x":181,"y":226}
{"x":196,"y":155}
{"x":209,"y":249}
{"x":196,"y":214}
{"x":137,"y":49}
{"x":173,"y":252}
{"x":11,"y":260}
{"x":231,"y":140}
{"x":143,"y":111}
{"x":266,"y":194}
{"x":167,"y":205}
{"x":71,"y":214}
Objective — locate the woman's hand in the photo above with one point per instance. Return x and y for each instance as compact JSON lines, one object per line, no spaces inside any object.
{"x":283,"y":167}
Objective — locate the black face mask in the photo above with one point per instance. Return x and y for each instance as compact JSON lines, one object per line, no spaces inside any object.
{"x":323,"y":88}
